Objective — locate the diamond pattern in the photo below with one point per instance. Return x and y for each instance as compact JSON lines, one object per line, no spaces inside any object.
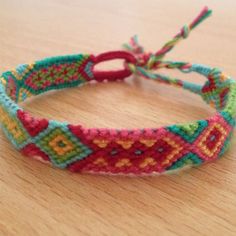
{"x":216,"y":89}
{"x":144,"y":154}
{"x":55,"y":74}
{"x":63,"y":148}
{"x":211,"y":141}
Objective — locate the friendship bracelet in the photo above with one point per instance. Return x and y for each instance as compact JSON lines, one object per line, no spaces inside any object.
{"x":118,"y":151}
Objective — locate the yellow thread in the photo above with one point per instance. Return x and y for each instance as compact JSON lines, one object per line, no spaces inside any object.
{"x":21,"y":91}
{"x":223,"y":77}
{"x":149,"y":161}
{"x":212,"y":104}
{"x":100,"y":161}
{"x":3,"y":81}
{"x":123,"y":162}
{"x":132,"y":67}
{"x":102,"y":143}
{"x":11,"y":125}
{"x":68,"y":146}
{"x":20,"y":76}
{"x":177,"y":149}
{"x":126,"y":144}
{"x":2,"y":114}
{"x":148,"y":142}
{"x":204,"y":148}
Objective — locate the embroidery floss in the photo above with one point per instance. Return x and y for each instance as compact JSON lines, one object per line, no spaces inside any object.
{"x":113,"y":151}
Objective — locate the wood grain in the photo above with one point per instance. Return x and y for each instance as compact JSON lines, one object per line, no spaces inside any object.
{"x":36,"y":199}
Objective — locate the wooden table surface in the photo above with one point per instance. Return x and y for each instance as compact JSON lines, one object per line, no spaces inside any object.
{"x":36,"y":199}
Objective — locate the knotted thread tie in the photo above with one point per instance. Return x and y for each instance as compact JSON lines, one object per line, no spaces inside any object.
{"x":147,"y":62}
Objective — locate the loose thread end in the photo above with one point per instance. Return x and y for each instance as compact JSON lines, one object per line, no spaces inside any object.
{"x":151,"y":61}
{"x":134,"y":45}
{"x":204,"y":14}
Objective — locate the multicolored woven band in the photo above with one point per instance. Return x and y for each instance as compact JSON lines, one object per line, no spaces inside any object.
{"x":118,"y":151}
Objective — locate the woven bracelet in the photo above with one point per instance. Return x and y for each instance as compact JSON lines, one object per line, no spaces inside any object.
{"x":118,"y":151}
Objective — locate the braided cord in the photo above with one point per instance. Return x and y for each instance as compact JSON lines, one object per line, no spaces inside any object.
{"x":147,"y":62}
{"x":184,"y":33}
{"x":215,"y":91}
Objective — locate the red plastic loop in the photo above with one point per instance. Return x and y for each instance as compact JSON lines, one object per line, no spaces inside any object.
{"x":113,"y":74}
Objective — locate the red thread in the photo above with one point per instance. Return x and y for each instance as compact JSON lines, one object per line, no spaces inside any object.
{"x":113,"y":74}
{"x":33,"y":125}
{"x":32,"y":150}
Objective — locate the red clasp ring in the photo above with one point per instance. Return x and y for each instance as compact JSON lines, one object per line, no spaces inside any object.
{"x":113,"y":74}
